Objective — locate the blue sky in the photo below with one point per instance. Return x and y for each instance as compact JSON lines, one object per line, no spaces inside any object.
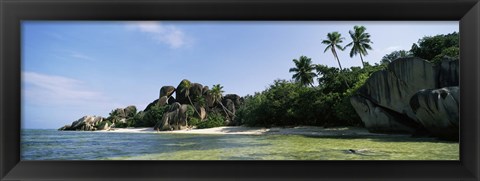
{"x":77,"y":68}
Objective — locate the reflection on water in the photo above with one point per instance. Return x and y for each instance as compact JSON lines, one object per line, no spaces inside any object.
{"x":72,"y":145}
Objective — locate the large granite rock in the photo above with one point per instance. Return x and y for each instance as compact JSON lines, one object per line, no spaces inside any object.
{"x":448,"y":73}
{"x":196,"y":91}
{"x":235,"y":99}
{"x":209,"y":101}
{"x":384,"y":101}
{"x":380,"y":119}
{"x":86,"y":123}
{"x":162,"y":101}
{"x":127,"y":112}
{"x":438,"y":111}
{"x":180,"y":93}
{"x":167,"y":91}
{"x":174,"y":119}
{"x":392,"y":88}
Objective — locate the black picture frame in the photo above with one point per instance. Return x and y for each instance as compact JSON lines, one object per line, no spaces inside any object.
{"x":12,"y":12}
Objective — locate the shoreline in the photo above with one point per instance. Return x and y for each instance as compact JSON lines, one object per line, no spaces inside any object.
{"x":242,"y":130}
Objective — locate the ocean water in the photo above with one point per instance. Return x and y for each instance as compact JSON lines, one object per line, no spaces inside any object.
{"x":78,"y":145}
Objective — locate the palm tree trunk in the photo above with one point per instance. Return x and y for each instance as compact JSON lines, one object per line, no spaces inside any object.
{"x":336,"y":57}
{"x":361,"y":58}
{"x":195,"y":109}
{"x":224,"y":109}
{"x":338,"y":60}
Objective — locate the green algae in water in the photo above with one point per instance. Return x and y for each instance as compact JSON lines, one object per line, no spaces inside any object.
{"x":77,"y":145}
{"x":297,"y":147}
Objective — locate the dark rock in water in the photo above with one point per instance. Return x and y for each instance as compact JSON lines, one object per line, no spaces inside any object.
{"x":65,"y":128}
{"x":167,"y":91}
{"x":438,"y":111}
{"x":86,"y":123}
{"x":384,"y":101}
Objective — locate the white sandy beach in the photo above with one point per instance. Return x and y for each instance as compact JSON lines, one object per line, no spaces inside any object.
{"x":299,"y":130}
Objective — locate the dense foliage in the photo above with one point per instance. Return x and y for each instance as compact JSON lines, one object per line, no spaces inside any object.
{"x":287,"y":103}
{"x":148,"y":118}
{"x":290,"y":103}
{"x":213,"y":120}
{"x":434,"y":48}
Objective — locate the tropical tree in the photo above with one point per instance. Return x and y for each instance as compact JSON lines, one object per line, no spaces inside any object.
{"x":434,"y":48}
{"x":333,"y":42}
{"x":217,"y":92}
{"x":303,"y":71}
{"x":360,"y":42}
{"x":186,"y":88}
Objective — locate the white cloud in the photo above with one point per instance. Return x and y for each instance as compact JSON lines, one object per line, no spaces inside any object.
{"x":167,"y":34}
{"x":50,"y":89}
{"x":81,"y":56}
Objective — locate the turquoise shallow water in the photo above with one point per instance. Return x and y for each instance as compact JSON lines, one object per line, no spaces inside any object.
{"x":72,"y":145}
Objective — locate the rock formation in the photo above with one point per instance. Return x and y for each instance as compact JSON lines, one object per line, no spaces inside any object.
{"x":397,"y":99}
{"x":437,"y":110}
{"x":93,"y":123}
{"x":86,"y":123}
{"x":175,"y":115}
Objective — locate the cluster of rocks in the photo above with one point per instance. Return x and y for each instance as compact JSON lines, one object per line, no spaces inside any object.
{"x":413,"y":96}
{"x":198,"y":96}
{"x":94,"y":123}
{"x":87,"y":123}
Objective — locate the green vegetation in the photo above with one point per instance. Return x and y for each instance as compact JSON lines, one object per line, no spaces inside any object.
{"x":213,"y":120}
{"x":303,"y":71}
{"x":434,"y":48}
{"x":290,"y":103}
{"x":216,"y":92}
{"x":186,"y":88}
{"x":150,"y":117}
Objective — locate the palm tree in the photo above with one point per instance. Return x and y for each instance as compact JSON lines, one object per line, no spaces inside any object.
{"x":303,"y":71}
{"x":333,"y":42}
{"x":217,"y":96}
{"x":360,"y":42}
{"x":186,"y":88}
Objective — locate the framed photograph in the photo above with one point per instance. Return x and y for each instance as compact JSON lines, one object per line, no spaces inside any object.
{"x":239,"y":90}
